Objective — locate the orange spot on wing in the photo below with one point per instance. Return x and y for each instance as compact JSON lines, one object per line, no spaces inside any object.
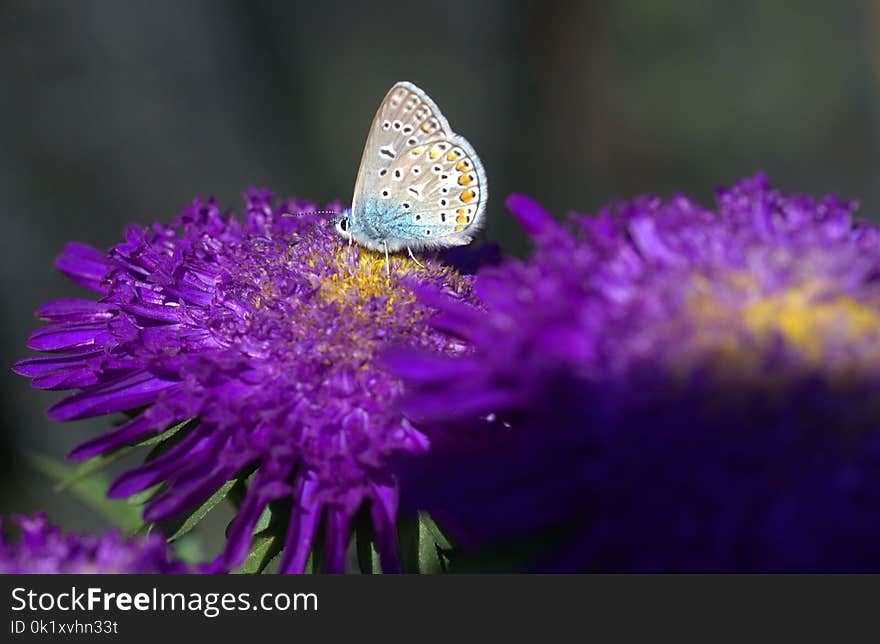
{"x":452,"y":156}
{"x":458,"y":229}
{"x":467,"y":196}
{"x":464,"y":180}
{"x":435,"y":152}
{"x":461,"y":219}
{"x":426,"y":127}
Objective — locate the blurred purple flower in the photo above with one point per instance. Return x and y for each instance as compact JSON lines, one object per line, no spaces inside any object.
{"x":42,"y":548}
{"x":669,"y":387}
{"x":265,"y":330}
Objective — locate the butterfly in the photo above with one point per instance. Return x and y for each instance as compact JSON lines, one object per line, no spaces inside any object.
{"x":420,"y":186}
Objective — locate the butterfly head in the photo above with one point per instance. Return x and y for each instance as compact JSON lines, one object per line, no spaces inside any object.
{"x":343,"y":224}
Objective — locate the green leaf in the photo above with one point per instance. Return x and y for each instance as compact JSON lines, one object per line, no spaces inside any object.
{"x":435,"y":532}
{"x":177,"y":526}
{"x":264,"y":547}
{"x":268,"y":538}
{"x":101,"y":461}
{"x":92,"y":492}
{"x":163,"y":441}
{"x":424,"y":549}
{"x":168,"y":433}
{"x":263,"y":522}
{"x":430,"y":558}
{"x":143,"y":530}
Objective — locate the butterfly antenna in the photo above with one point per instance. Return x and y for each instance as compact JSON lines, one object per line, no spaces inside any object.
{"x":311,"y":212}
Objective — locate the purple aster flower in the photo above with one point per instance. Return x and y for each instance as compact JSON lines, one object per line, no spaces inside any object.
{"x":42,"y":548}
{"x":665,"y":387}
{"x":263,"y":331}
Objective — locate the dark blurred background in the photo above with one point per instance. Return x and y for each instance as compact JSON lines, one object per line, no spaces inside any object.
{"x":117,"y":112}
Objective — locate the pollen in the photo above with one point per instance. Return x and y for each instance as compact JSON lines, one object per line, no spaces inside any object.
{"x":363,"y":284}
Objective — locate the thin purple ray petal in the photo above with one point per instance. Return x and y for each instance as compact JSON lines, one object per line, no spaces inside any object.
{"x":383,"y":510}
{"x":189,"y":452}
{"x":59,"y":337}
{"x":127,"y":392}
{"x":303,"y":525}
{"x":85,"y":265}
{"x":338,"y":524}
{"x":135,"y":429}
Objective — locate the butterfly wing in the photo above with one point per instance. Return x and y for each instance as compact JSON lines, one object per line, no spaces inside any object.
{"x":438,"y":192}
{"x":407,"y":117}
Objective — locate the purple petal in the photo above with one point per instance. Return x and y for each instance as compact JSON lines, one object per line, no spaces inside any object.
{"x":58,"y":337}
{"x":383,"y":510}
{"x":189,"y":450}
{"x":427,"y":406}
{"x":238,"y":538}
{"x":128,"y":392}
{"x":41,"y":365}
{"x":138,"y":427}
{"x":424,"y":368}
{"x":303,"y":524}
{"x":63,"y":379}
{"x":178,"y":500}
{"x":338,"y":529}
{"x":74,"y":310}
{"x":531,"y":215}
{"x":169,"y":312}
{"x":85,"y":265}
{"x":646,"y":236}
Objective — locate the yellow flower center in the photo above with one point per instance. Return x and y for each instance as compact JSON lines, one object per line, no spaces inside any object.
{"x":736,"y":321}
{"x":808,"y":322}
{"x":361,"y":275}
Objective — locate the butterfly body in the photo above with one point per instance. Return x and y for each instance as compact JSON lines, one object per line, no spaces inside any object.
{"x":376,"y":224}
{"x":420,"y":186}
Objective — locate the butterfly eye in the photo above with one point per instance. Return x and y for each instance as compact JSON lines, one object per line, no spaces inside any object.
{"x":343,"y":224}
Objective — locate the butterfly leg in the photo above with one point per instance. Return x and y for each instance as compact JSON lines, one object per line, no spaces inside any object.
{"x":387,"y":264}
{"x":413,"y":257}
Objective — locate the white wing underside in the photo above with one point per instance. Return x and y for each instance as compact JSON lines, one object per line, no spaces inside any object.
{"x":418,"y":165}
